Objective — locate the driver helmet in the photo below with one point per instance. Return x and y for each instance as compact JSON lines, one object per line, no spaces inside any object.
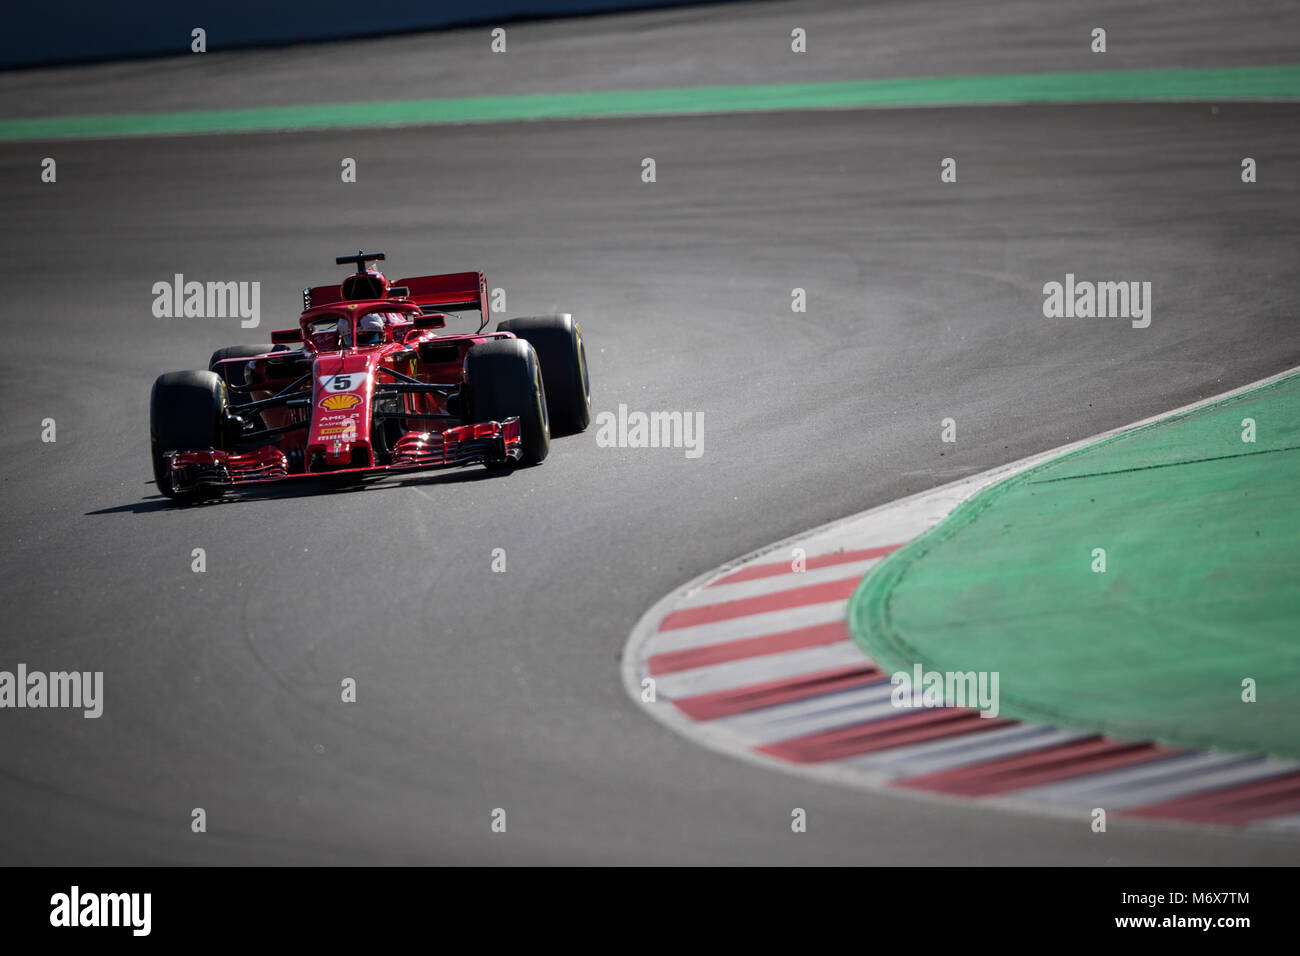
{"x":370,"y":330}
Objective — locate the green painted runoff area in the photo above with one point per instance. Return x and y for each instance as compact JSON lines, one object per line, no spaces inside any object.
{"x":1234,"y":83}
{"x":1200,"y":592}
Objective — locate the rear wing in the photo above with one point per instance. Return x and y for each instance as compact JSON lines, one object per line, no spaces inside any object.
{"x":453,"y":292}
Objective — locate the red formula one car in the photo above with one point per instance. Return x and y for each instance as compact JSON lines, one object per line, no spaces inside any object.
{"x":366,"y":384}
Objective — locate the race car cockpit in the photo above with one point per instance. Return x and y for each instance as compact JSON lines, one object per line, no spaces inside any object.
{"x":335,"y":331}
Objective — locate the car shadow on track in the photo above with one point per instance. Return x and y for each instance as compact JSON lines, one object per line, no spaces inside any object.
{"x":305,"y":488}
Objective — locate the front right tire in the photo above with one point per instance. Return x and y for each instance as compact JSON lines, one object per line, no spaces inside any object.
{"x":187,"y":412}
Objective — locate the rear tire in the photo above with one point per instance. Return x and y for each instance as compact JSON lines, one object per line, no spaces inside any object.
{"x":187,"y":412}
{"x":505,"y":380}
{"x":558,"y":341}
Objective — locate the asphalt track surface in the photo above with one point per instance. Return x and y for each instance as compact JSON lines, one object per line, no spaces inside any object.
{"x":479,"y":690}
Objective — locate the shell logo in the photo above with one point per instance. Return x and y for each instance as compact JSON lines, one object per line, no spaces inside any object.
{"x":339,"y":403}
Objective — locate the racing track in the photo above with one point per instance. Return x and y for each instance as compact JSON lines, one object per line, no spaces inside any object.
{"x":481,"y":690}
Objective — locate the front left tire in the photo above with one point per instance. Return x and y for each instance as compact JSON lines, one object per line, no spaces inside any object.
{"x":504,"y":380}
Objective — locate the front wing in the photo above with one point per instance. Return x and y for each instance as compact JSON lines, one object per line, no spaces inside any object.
{"x":480,"y":443}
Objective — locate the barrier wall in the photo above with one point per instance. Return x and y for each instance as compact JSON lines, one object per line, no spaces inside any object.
{"x":38,"y":33}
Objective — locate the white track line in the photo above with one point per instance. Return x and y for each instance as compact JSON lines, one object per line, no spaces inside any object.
{"x":751,"y":625}
{"x":813,"y":715}
{"x":952,"y":753}
{"x":758,"y":670}
{"x":1161,"y":780}
{"x":721,"y":593}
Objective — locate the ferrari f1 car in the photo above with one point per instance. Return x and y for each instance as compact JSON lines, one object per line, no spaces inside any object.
{"x":367,"y":384}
